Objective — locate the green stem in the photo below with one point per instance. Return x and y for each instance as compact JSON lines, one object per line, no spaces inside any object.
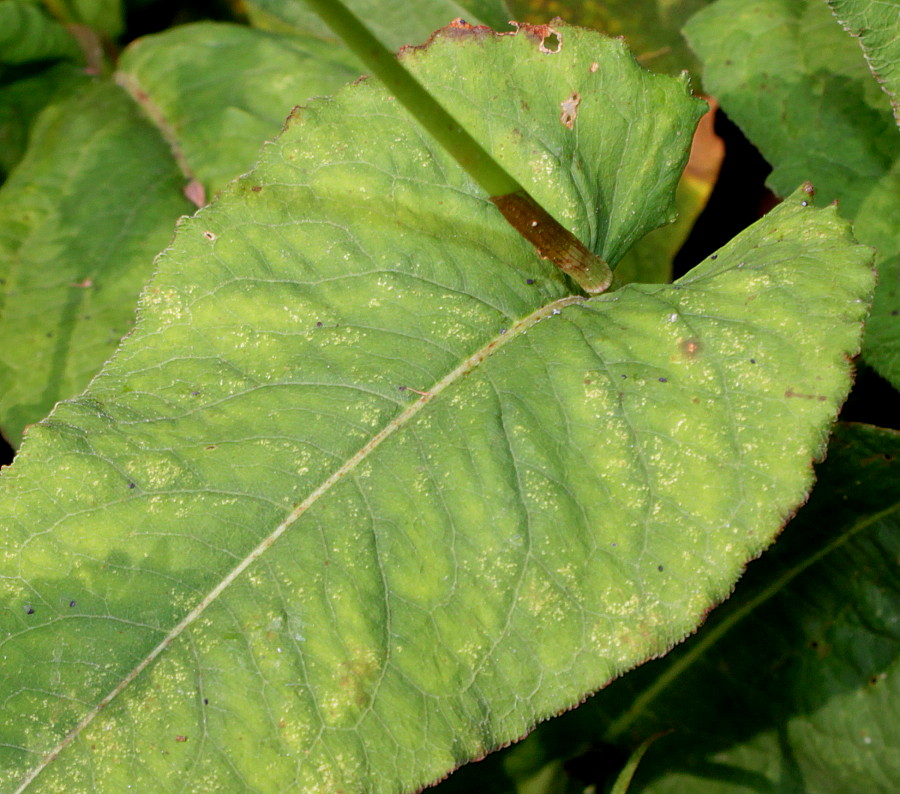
{"x":532,"y":221}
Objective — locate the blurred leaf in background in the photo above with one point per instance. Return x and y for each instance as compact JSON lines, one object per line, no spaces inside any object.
{"x":801,"y":90}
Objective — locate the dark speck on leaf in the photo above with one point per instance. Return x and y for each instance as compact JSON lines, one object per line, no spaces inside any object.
{"x":401,"y":388}
{"x":624,"y":376}
{"x":29,"y":610}
{"x":752,"y":360}
{"x":714,"y":256}
{"x":71,"y":603}
{"x":529,"y":281}
{"x":194,"y":393}
{"x":502,"y":330}
{"x":318,"y":325}
{"x":659,"y":568}
{"x":132,"y":485}
{"x":613,"y":544}
{"x":895,"y":312}
{"x":205,"y":701}
{"x":663,"y":380}
{"x":180,"y":738}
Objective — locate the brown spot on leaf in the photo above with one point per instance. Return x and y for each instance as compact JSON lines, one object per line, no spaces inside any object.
{"x":791,"y":393}
{"x":570,"y":109}
{"x":690,"y":348}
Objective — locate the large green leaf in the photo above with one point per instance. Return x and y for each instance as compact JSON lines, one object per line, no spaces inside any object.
{"x":367,"y":492}
{"x":788,"y":687}
{"x":800,"y":89}
{"x":100,"y":191}
{"x":877,"y":26}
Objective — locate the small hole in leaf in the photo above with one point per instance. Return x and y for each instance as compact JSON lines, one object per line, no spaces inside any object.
{"x":551,"y":43}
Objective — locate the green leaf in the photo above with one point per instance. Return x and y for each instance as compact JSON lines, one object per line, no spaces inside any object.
{"x":27,"y":34}
{"x":789,"y":685}
{"x":623,"y":781}
{"x":104,"y":16}
{"x":651,"y":259}
{"x":218,"y":91}
{"x":877,"y":223}
{"x":214,"y":92}
{"x":21,"y":100}
{"x":651,"y":27}
{"x":395,"y":24}
{"x":39,"y":62}
{"x":876,"y":24}
{"x":83,"y":214}
{"x":815,"y":697}
{"x":813,"y":700}
{"x":800,"y":89}
{"x":252,"y":556}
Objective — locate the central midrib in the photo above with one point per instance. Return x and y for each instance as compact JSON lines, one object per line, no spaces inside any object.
{"x":397,"y":423}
